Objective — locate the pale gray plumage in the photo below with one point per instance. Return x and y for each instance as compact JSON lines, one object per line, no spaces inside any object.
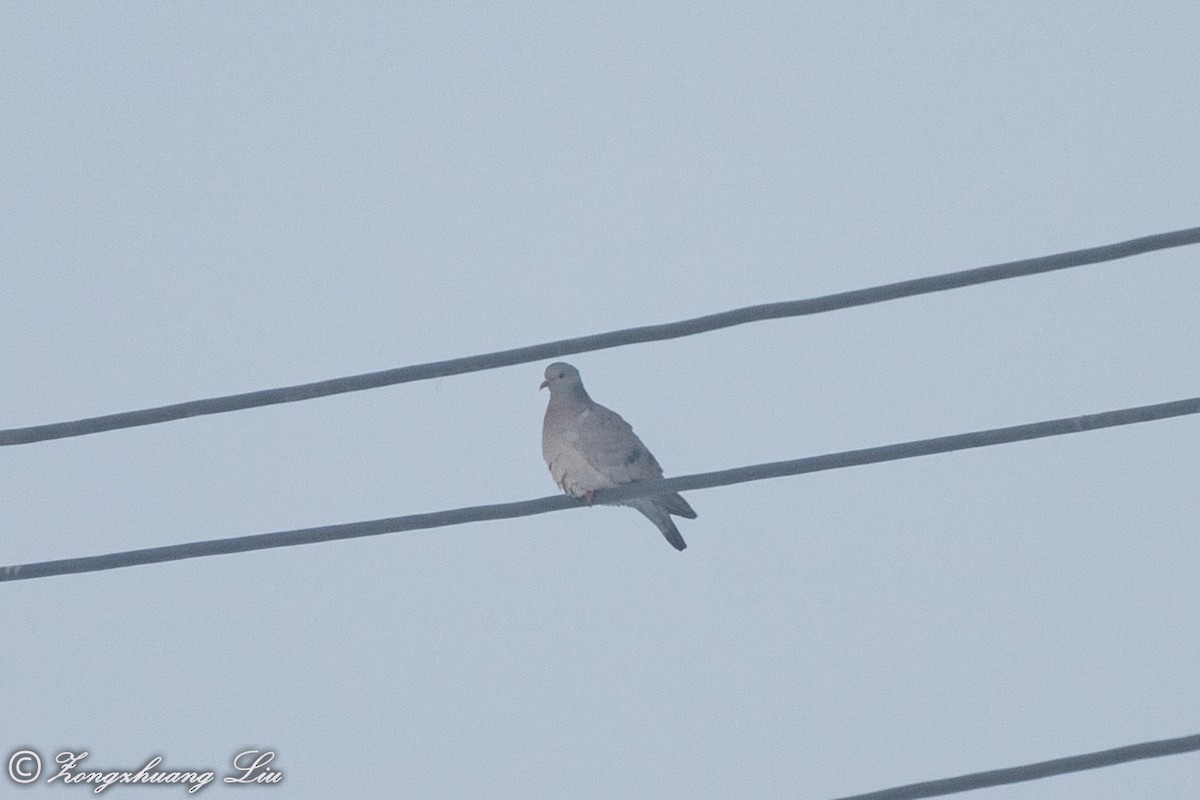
{"x":589,"y":447}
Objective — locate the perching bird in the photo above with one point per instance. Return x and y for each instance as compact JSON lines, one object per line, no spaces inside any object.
{"x":589,"y":447}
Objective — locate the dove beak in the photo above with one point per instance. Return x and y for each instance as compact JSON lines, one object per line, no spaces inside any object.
{"x":545,"y":383}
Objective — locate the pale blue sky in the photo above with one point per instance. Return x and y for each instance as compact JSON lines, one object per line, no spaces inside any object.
{"x":206,"y":199}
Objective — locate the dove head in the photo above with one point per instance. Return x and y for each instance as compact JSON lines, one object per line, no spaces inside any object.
{"x":562,"y":377}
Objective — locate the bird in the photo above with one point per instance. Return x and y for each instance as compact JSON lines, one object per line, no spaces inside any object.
{"x":589,"y":447}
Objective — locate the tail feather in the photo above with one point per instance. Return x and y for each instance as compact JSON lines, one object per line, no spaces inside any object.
{"x":662,"y":520}
{"x":675,"y":504}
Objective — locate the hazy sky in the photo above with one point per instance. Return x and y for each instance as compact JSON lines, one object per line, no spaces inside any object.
{"x":201,"y":199}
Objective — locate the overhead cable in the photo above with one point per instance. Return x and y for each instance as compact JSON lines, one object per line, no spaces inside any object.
{"x":437,"y":519}
{"x":600,"y":341}
{"x":1032,"y":772}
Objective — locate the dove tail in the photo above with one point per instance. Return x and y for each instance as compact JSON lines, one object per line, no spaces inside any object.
{"x":672,"y":533}
{"x":675,"y":504}
{"x":662,"y":520}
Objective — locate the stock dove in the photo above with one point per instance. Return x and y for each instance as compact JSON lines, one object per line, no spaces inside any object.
{"x":589,"y":447}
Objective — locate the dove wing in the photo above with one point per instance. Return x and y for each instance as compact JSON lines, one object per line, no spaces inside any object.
{"x":607,"y":442}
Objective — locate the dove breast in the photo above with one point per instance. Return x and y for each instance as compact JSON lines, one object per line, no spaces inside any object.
{"x":590,"y":447}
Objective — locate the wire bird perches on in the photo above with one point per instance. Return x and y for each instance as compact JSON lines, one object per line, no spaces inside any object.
{"x":437,"y":519}
{"x":600,"y":341}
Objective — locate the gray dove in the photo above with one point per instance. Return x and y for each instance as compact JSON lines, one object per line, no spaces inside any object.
{"x":589,"y":447}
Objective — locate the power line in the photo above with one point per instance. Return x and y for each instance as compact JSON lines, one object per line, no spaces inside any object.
{"x":1031,"y":772}
{"x":600,"y":341}
{"x":437,"y":519}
